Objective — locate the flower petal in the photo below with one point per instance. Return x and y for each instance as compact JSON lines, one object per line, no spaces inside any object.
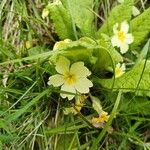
{"x":119,"y":70}
{"x":124,"y":27}
{"x":79,"y":69}
{"x":123,"y":67}
{"x":115,"y":28}
{"x":62,"y":65}
{"x":61,"y":44}
{"x":129,"y":38}
{"x":70,"y":89}
{"x":121,"y":1}
{"x":45,"y":13}
{"x":83,"y":85}
{"x":124,"y":48}
{"x":115,"y":41}
{"x":135,"y":11}
{"x":118,"y":65}
{"x":56,"y":80}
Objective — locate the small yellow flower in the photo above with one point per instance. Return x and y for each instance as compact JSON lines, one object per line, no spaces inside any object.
{"x":72,"y":78}
{"x":79,"y":103}
{"x":103,"y":117}
{"x":45,"y":13}
{"x":99,"y":121}
{"x":121,"y":37}
{"x":61,"y":44}
{"x":28,"y":44}
{"x":119,"y":70}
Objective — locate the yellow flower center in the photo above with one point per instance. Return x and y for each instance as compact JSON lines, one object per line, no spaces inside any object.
{"x":69,"y":78}
{"x":118,"y":72}
{"x":121,"y":36}
{"x":103,"y":117}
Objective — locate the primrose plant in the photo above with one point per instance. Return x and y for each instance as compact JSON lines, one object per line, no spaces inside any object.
{"x":85,"y":54}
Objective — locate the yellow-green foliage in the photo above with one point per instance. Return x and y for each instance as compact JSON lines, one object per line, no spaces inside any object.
{"x":62,"y":21}
{"x":140,"y":27}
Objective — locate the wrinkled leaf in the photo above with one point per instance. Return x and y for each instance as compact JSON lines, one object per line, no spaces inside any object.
{"x":107,"y":56}
{"x":133,"y":80}
{"x":144,"y":52}
{"x":81,"y":50}
{"x":140,"y":27}
{"x":82,"y":15}
{"x":62,"y":20}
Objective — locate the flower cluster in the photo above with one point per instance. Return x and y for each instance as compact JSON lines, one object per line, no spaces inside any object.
{"x":121,"y":39}
{"x":73,"y":78}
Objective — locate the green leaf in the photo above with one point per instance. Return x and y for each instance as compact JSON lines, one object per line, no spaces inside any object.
{"x":5,"y":49}
{"x":67,"y":128}
{"x":117,"y":15}
{"x":140,"y":27}
{"x":138,"y":105}
{"x":82,"y":15}
{"x":19,"y":112}
{"x":1,"y":145}
{"x":96,"y":104}
{"x":6,"y":138}
{"x":100,"y":53}
{"x":37,"y":50}
{"x":62,"y":21}
{"x":4,"y":126}
{"x":104,"y":60}
{"x":30,"y":58}
{"x":81,"y":50}
{"x":107,"y":55}
{"x":144,"y":52}
{"x":68,"y":142}
{"x":136,"y":79}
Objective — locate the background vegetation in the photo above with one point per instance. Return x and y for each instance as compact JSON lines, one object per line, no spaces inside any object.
{"x":31,"y":112}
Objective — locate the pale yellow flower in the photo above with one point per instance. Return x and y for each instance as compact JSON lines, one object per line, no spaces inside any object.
{"x":28,"y":44}
{"x":119,"y":70}
{"x":45,"y":13}
{"x":121,"y":37}
{"x":99,"y":121}
{"x":61,"y":44}
{"x":72,"y":78}
{"x":79,"y":103}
